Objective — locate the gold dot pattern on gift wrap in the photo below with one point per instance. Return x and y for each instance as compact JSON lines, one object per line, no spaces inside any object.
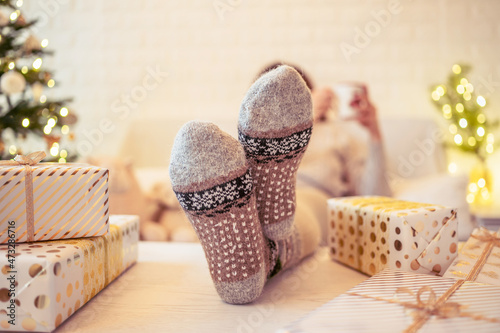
{"x":383,"y":226}
{"x":398,"y":264}
{"x":351,"y":230}
{"x":340,"y":215}
{"x":437,"y":250}
{"x":29,"y":324}
{"x":398,"y":245}
{"x":360,"y":233}
{"x":42,"y":301}
{"x":341,"y":254}
{"x":332,"y":224}
{"x":58,"y":320}
{"x":434,"y":224}
{"x":5,"y":324}
{"x":419,"y":226}
{"x":351,"y":259}
{"x":360,"y":220}
{"x":35,"y":269}
{"x":406,"y":256}
{"x":58,"y":297}
{"x":69,"y":290}
{"x":351,"y":246}
{"x":57,"y":269}
{"x":70,"y":312}
{"x":76,"y":258}
{"x":372,"y":223}
{"x":453,"y":247}
{"x":398,"y":231}
{"x":415,"y":265}
{"x":372,"y":254}
{"x":383,"y":259}
{"x":68,"y":262}
{"x":4,"y":295}
{"x":360,"y":250}
{"x":437,"y":268}
{"x":373,"y":238}
{"x":341,"y":242}
{"x":53,"y":251}
{"x":350,"y":218}
{"x":371,"y":268}
{"x":382,"y":240}
{"x":333,"y":251}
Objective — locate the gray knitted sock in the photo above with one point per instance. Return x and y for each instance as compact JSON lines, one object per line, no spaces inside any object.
{"x":275,"y":124}
{"x":212,"y":182}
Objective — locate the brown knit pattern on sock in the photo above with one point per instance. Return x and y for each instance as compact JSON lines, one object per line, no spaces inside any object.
{"x":273,"y":164}
{"x":226,"y":222}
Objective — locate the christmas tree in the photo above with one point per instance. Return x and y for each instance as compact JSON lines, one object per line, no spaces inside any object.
{"x":470,"y":128}
{"x":29,"y":120}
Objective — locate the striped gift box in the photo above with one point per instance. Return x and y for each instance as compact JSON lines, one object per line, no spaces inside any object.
{"x":398,"y":301}
{"x":61,"y":201}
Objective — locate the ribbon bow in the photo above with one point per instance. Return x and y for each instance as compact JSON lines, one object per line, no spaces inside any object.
{"x":28,"y":161}
{"x":487,"y":236}
{"x":432,"y":306}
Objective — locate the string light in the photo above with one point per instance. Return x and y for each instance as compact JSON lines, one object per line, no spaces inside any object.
{"x":51,"y":83}
{"x":12,"y":150}
{"x":481,"y":118}
{"x":24,"y":70}
{"x":44,"y":43}
{"x":469,"y":87}
{"x":481,"y":101}
{"x":480,"y":131}
{"x":462,"y":122}
{"x":452,"y":167}
{"x":63,"y":153}
{"x":26,"y":122}
{"x":447,"y":111}
{"x":54,"y":150}
{"x":12,"y":65}
{"x":490,"y":138}
{"x":440,"y":90}
{"x":485,"y":193}
{"x":460,"y":89}
{"x":65,"y":129}
{"x":37,"y":63}
{"x":470,"y":198}
{"x":435,"y":95}
{"x":62,"y":160}
{"x":453,"y":129}
{"x":47,"y":129}
{"x":471,"y":141}
{"x":19,"y":3}
{"x":489,"y":148}
{"x":481,"y":182}
{"x":63,"y":112}
{"x":467,"y":96}
{"x":473,"y":187}
{"x":456,"y":69}
{"x":459,"y":107}
{"x":43,"y":99}
{"x":458,"y":139}
{"x":14,"y":15}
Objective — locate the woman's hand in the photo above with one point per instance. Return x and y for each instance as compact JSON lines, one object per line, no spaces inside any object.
{"x":366,"y":112}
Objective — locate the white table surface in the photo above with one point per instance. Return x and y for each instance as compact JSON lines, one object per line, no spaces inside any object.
{"x":170,"y":290}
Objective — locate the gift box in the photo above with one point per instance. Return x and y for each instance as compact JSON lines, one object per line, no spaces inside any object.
{"x":374,"y":233}
{"x":49,"y":201}
{"x":478,"y":259}
{"x":44,"y":283}
{"x":399,"y":301}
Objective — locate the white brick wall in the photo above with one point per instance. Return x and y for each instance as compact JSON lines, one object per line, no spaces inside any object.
{"x":103,"y":49}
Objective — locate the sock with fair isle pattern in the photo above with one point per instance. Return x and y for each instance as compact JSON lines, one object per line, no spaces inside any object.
{"x":275,"y":124}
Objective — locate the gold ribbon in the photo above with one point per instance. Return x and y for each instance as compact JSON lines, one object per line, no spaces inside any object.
{"x":432,"y":307}
{"x":485,"y":236}
{"x":27,"y":161}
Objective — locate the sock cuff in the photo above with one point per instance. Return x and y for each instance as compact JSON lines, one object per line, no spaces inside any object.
{"x":219,"y":195}
{"x":275,"y":146}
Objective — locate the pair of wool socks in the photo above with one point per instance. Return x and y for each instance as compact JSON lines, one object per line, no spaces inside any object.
{"x":240,"y":195}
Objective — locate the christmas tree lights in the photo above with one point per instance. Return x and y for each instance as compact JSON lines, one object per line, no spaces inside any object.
{"x":29,"y":119}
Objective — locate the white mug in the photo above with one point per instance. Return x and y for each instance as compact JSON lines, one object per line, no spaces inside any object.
{"x":345,"y":93}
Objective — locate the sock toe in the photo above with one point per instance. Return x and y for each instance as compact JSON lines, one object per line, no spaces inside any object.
{"x":277,"y":104}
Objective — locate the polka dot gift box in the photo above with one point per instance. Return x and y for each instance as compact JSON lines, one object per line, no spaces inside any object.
{"x":373,"y":233}
{"x":49,"y":201}
{"x":49,"y":281}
